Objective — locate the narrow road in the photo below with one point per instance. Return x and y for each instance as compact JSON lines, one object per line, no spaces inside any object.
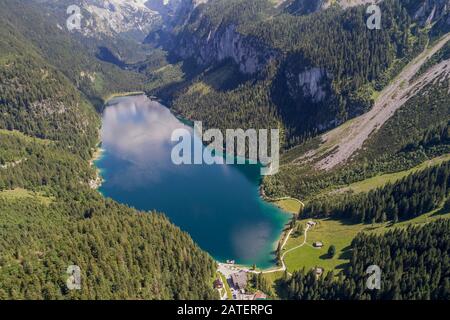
{"x":299,"y":246}
{"x":283,"y":264}
{"x":228,"y":269}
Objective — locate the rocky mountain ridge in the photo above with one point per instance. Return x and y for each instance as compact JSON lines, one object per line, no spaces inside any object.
{"x":128,"y":18}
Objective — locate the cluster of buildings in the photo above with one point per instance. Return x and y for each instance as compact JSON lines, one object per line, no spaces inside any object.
{"x":239,"y":280}
{"x":318,"y":271}
{"x":311,"y":223}
{"x":238,"y":285}
{"x":317,"y":244}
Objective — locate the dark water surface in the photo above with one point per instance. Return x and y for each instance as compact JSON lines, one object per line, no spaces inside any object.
{"x":218,"y":205}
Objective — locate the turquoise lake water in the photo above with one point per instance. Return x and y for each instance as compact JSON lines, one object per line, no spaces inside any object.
{"x":218,"y":205}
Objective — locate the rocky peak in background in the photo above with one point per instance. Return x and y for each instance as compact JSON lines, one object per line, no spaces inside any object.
{"x":134,"y":19}
{"x":111,"y":17}
{"x":173,"y":9}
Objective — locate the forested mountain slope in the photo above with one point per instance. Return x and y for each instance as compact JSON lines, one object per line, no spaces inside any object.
{"x":230,"y":63}
{"x":49,"y":216}
{"x":314,"y":71}
{"x":391,"y":146}
{"x":250,"y":64}
{"x":410,"y":197}
{"x":394,"y":96}
{"x":66,"y":51}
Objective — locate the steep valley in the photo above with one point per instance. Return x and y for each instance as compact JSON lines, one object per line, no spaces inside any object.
{"x":364,"y":120}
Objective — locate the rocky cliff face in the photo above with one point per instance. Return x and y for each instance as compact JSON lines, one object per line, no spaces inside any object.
{"x":312,"y":83}
{"x":174,"y":12}
{"x":107,"y":18}
{"x":111,"y":17}
{"x":226,"y":43}
{"x":214,"y":45}
{"x":134,"y":19}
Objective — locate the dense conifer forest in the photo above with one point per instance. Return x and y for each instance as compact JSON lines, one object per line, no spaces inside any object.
{"x":50,"y":218}
{"x":52,"y":87}
{"x":414,"y":195}
{"x":356,"y":61}
{"x":414,"y":265}
{"x":416,"y":133}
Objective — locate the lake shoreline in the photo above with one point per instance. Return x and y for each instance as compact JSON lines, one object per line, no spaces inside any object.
{"x":97,"y":183}
{"x":121,"y":95}
{"x":98,"y":153}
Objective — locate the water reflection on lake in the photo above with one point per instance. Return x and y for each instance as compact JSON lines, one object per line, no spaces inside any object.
{"x":218,"y":205}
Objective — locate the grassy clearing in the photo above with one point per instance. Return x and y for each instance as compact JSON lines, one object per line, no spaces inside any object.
{"x":295,"y":241}
{"x":381,"y":180}
{"x":273,"y":276}
{"x":226,"y":286}
{"x":289,"y":205}
{"x":20,"y":193}
{"x":329,"y":232}
{"x":340,"y":234}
